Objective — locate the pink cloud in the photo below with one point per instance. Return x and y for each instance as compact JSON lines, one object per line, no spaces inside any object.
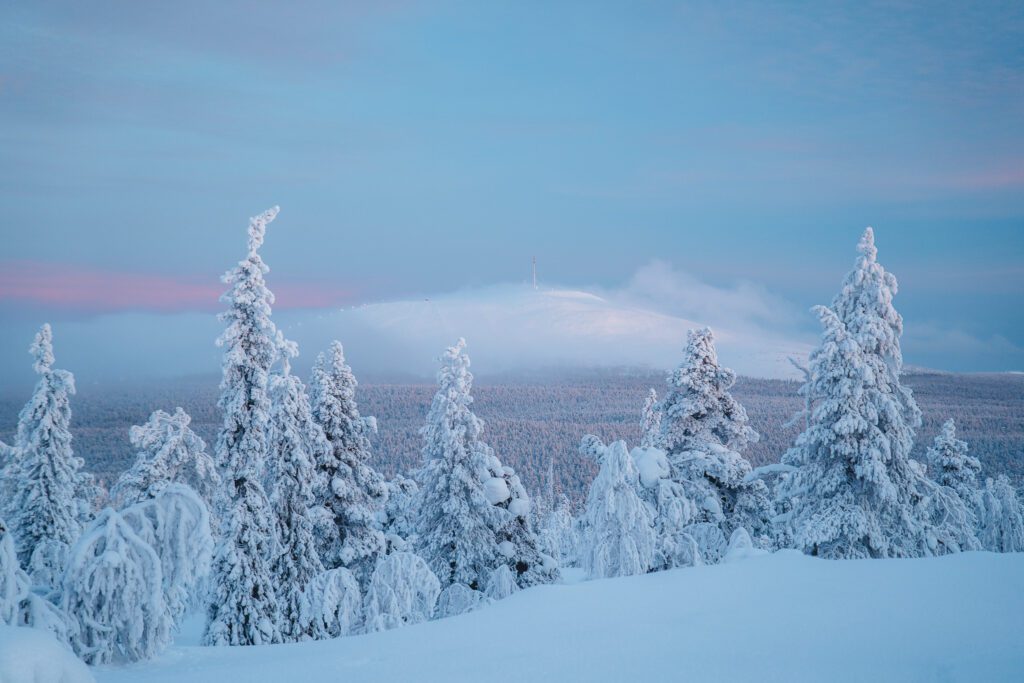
{"x":83,"y":290}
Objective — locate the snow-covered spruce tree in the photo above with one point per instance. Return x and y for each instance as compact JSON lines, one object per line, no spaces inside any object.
{"x":703,"y":428}
{"x":113,"y":591}
{"x":1001,"y":518}
{"x":402,"y":591}
{"x":399,"y":517}
{"x":49,"y":481}
{"x":620,"y":533}
{"x":243,"y":608}
{"x":650,"y":421}
{"x":856,"y":492}
{"x":558,"y":534}
{"x":176,"y":524}
{"x":456,"y":521}
{"x":675,"y":514}
{"x":168,"y":451}
{"x":353,"y":494}
{"x":295,"y":442}
{"x":518,"y":542}
{"x":950,"y":465}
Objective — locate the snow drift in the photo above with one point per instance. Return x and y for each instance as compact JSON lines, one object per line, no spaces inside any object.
{"x":780,"y":617}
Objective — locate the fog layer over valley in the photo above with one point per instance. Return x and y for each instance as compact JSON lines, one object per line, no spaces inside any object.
{"x":535,"y":419}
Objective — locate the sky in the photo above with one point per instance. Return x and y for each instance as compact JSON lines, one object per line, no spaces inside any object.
{"x":425,"y":150}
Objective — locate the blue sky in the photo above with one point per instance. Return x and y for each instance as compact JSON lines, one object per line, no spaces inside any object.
{"x":418,"y":148}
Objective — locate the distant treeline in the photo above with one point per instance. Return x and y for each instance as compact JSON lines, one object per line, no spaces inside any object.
{"x":534,"y":421}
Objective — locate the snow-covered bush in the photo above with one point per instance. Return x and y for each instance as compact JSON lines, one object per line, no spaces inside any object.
{"x":402,"y":591}
{"x":501,"y":583}
{"x":176,"y":524}
{"x":168,"y":451}
{"x":45,"y":476}
{"x":113,"y":592}
{"x":1001,"y":520}
{"x":399,"y":516}
{"x":19,"y":605}
{"x":332,"y":604}
{"x":650,"y":421}
{"x":457,"y":519}
{"x":518,"y":542}
{"x":243,"y":608}
{"x":741,"y":547}
{"x":671,"y":508}
{"x":620,"y":534}
{"x":352,"y":494}
{"x":458,"y":599}
{"x":950,"y":465}
{"x":559,"y":536}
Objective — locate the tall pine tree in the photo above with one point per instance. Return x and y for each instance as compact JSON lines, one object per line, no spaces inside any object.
{"x":244,"y":606}
{"x":352,"y":493}
{"x":49,"y":498}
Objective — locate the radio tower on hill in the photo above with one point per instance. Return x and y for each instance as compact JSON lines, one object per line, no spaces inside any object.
{"x":535,"y":272}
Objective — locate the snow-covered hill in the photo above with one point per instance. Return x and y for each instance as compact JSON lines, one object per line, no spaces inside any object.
{"x":513,"y":326}
{"x":782,"y":617}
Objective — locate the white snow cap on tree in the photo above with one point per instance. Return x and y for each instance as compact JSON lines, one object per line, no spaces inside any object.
{"x":294,"y":438}
{"x":244,"y":605}
{"x":402,"y":591}
{"x":517,"y":540}
{"x":113,"y":592}
{"x":856,"y":493}
{"x":168,"y":451}
{"x":456,"y":521}
{"x":620,"y":534}
{"x":176,"y":524}
{"x":48,"y":485}
{"x":352,"y":494}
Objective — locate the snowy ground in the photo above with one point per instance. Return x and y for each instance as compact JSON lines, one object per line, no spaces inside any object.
{"x":783,"y":617}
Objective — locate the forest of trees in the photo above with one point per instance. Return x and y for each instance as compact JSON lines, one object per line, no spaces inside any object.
{"x":294,"y":511}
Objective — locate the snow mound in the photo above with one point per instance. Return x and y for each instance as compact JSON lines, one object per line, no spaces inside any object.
{"x":29,"y":655}
{"x":780,"y":617}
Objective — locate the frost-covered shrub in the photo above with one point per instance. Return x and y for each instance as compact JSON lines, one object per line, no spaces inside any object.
{"x":620,"y":534}
{"x":176,"y":524}
{"x":741,"y":547}
{"x":167,"y":451}
{"x":501,"y":584}
{"x":518,"y":542}
{"x":332,"y":605}
{"x":559,"y":536}
{"x":113,"y":592}
{"x":1001,"y":519}
{"x":402,"y":591}
{"x":709,"y":539}
{"x":458,"y":599}
{"x":19,"y":605}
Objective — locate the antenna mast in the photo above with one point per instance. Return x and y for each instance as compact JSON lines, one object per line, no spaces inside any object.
{"x":535,"y":272}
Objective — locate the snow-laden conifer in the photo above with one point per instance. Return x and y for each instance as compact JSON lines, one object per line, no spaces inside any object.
{"x":650,"y":420}
{"x":296,"y":440}
{"x":402,"y":591}
{"x":50,"y":488}
{"x":244,"y":608}
{"x":559,"y":536}
{"x":620,"y":533}
{"x":399,"y":515}
{"x":353,"y":493}
{"x":856,"y":492}
{"x":19,"y":604}
{"x":176,"y":524}
{"x":518,"y":541}
{"x":1001,"y":518}
{"x":703,"y":430}
{"x":456,"y":515}
{"x":168,"y":451}
{"x":112,"y":590}
{"x":950,"y":465}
